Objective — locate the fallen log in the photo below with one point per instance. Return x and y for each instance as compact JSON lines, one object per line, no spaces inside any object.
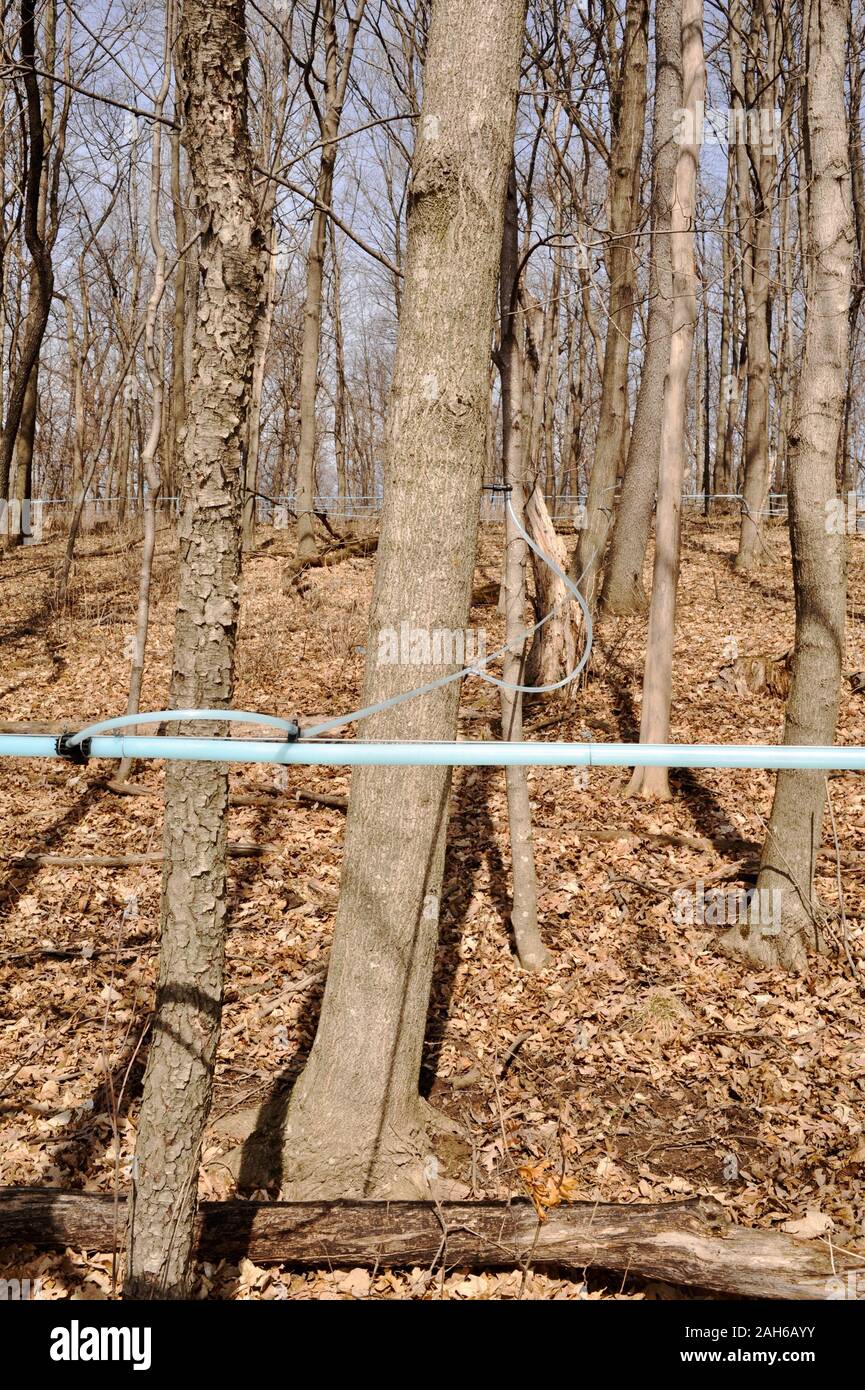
{"x":686,"y":1243}
{"x":357,"y":549}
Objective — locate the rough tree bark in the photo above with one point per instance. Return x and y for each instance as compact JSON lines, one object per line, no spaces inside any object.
{"x":623,"y":590}
{"x":624,"y":199}
{"x":658,"y":674}
{"x":177,"y":1086}
{"x":355,"y":1123}
{"x":816,"y":530}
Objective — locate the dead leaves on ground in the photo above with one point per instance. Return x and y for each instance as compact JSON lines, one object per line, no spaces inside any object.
{"x":651,"y":1067}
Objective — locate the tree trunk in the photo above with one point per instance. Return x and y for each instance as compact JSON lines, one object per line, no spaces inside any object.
{"x":177,"y":1085}
{"x":658,"y":675}
{"x":42,"y":279}
{"x":624,"y":198}
{"x":262,"y":343}
{"x":150,"y":453}
{"x":531,"y":950}
{"x":553,"y":651}
{"x":816,"y":519}
{"x":721,"y":481}
{"x":340,"y":413}
{"x":355,"y":1123}
{"x":623,"y":590}
{"x":177,"y":413}
{"x":336,"y":81}
{"x":755,"y":157}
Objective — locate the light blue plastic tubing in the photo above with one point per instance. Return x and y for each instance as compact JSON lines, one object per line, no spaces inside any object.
{"x":481,"y":753}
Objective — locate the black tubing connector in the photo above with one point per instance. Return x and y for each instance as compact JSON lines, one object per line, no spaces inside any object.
{"x":78,"y":753}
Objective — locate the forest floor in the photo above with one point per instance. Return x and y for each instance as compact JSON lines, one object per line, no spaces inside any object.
{"x":642,"y":1065}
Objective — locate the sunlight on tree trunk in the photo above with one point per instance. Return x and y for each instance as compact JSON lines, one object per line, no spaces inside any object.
{"x":783,"y":936}
{"x":623,"y":590}
{"x":356,"y":1124}
{"x":658,"y":675}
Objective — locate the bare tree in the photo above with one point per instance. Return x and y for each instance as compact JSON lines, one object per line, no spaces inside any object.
{"x":149,"y":455}
{"x":658,"y":674}
{"x":524,"y":905}
{"x":623,"y":590}
{"x":337,"y":67}
{"x":356,"y":1123}
{"x":753,"y":89}
{"x":816,"y":519}
{"x":628,"y":111}
{"x":39,"y":250}
{"x":185,"y":1032}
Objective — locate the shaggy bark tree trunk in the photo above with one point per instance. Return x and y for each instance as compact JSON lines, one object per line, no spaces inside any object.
{"x":658,"y":675}
{"x":177,"y":1086}
{"x":356,"y":1124}
{"x":816,"y":519}
{"x":624,"y":199}
{"x":623,"y":590}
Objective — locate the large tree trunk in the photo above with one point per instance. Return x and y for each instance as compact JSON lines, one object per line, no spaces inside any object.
{"x":623,"y":590}
{"x":355,"y":1123}
{"x":816,"y":521}
{"x":658,"y":675}
{"x":624,"y":199}
{"x":185,"y":1031}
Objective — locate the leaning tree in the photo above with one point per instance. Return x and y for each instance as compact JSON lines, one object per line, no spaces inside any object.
{"x":356,"y":1123}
